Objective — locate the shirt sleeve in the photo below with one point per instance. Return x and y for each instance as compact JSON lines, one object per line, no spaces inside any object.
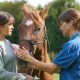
{"x":66,"y":56}
{"x":6,"y":75}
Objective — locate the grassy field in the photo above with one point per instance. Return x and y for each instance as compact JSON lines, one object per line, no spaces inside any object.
{"x":56,"y":76}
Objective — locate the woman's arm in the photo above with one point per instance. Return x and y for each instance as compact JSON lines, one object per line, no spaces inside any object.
{"x":48,"y":67}
{"x":6,"y":74}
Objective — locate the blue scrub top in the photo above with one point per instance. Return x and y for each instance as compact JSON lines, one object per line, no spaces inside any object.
{"x":69,"y":59}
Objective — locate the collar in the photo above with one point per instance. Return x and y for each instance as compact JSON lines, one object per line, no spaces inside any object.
{"x":75,"y":35}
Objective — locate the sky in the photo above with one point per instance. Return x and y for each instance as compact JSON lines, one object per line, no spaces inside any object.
{"x":33,"y":2}
{"x":36,"y":2}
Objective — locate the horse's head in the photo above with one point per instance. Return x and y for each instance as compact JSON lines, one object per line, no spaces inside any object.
{"x":29,"y":31}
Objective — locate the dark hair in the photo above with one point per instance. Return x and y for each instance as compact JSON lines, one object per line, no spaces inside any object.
{"x":70,"y":15}
{"x":6,"y":17}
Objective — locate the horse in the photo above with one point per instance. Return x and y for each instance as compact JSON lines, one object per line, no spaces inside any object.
{"x":31,"y":36}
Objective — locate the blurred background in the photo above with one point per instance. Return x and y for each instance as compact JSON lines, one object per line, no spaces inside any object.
{"x":55,"y":37}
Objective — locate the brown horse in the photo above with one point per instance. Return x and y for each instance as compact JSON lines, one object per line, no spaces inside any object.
{"x":31,"y":36}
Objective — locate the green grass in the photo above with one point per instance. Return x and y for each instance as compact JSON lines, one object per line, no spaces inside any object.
{"x":56,"y":76}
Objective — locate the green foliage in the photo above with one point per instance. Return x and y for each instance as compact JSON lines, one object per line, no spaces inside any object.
{"x":56,"y":77}
{"x":39,"y":7}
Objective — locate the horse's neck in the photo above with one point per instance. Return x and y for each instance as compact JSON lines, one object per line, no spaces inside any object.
{"x":41,"y":52}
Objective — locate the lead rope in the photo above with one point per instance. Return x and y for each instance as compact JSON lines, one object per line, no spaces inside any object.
{"x":46,"y":36}
{"x":44,"y":47}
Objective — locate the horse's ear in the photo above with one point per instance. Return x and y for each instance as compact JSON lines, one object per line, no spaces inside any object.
{"x":25,"y":9}
{"x":44,"y":12}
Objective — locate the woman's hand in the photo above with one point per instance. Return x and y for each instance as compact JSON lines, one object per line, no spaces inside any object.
{"x":23,"y":54}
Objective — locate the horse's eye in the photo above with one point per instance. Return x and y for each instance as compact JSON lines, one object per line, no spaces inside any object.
{"x":37,"y":29}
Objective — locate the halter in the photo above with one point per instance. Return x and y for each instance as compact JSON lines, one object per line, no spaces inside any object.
{"x":31,"y":43}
